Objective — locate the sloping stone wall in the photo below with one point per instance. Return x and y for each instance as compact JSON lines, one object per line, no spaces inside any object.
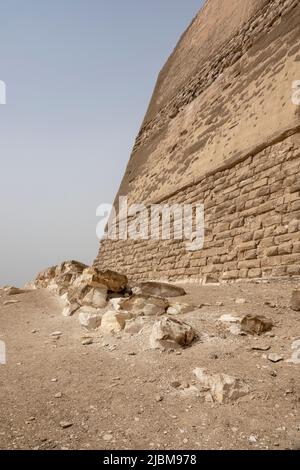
{"x":252,"y":225}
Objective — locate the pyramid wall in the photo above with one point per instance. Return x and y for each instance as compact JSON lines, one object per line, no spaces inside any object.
{"x":222,"y":129}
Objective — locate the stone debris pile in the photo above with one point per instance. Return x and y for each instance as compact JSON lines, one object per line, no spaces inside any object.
{"x":103,"y":300}
{"x":106,"y":302}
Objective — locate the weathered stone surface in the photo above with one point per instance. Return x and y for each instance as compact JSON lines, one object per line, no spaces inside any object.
{"x":90,"y":318}
{"x":222,"y":387}
{"x":256,"y":324}
{"x":171,"y":333}
{"x":114,"y":322}
{"x":295,"y":302}
{"x":144,"y":305}
{"x":114,"y":282}
{"x":159,"y":289}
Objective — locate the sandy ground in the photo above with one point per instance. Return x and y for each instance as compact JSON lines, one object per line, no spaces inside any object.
{"x":118,"y":394}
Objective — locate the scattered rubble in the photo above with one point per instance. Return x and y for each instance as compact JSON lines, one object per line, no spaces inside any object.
{"x":171,"y":333}
{"x":80,"y":285}
{"x":116,"y":342}
{"x":221,"y":387}
{"x":256,"y":324}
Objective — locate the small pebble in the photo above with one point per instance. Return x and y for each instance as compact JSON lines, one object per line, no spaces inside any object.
{"x":65,"y":424}
{"x":87,"y":342}
{"x":275,"y":358}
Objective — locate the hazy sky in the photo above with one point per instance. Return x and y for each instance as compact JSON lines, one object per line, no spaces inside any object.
{"x":79,"y":76}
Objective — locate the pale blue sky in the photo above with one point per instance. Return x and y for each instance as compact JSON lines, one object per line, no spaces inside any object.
{"x":79,"y":76}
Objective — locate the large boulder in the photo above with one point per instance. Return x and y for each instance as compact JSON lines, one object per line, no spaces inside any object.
{"x":295,"y":302}
{"x":114,"y":322}
{"x":90,"y":318}
{"x":144,"y":305}
{"x":113,"y":281}
{"x":96,"y":297}
{"x":84,"y":294}
{"x":170,"y":333}
{"x":159,"y":289}
{"x":222,"y":388}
